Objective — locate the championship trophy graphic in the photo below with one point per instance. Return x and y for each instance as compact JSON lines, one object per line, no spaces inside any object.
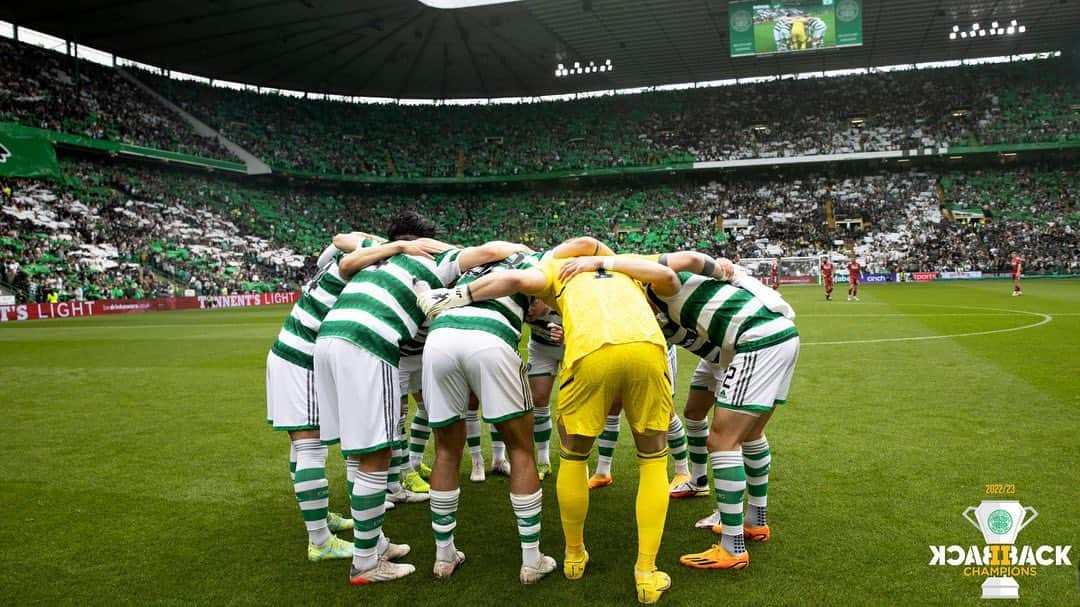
{"x":1000,"y":522}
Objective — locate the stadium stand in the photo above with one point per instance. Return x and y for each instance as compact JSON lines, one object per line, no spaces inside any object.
{"x":1023,"y":102}
{"x":115,"y":228}
{"x":47,"y":90}
{"x":125,"y":232}
{"x":1014,"y":103}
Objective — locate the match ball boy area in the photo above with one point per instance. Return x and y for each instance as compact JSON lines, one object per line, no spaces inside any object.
{"x":140,"y":470}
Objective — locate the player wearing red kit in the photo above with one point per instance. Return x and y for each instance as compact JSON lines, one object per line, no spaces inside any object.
{"x":827,"y":277}
{"x":776,"y":274}
{"x":854,"y":270}
{"x":1017,"y":269}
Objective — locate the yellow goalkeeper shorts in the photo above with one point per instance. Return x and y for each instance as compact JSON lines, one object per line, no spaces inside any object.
{"x":635,"y":374}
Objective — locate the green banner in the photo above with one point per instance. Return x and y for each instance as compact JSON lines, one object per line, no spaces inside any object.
{"x":25,"y":154}
{"x":741,"y":28}
{"x":14,"y":129}
{"x":848,"y":23}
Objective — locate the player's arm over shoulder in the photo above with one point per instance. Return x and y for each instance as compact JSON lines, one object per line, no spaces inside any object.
{"x":664,"y":280}
{"x":488,"y":252}
{"x":699,"y":263}
{"x":533,"y":281}
{"x":582,"y":245}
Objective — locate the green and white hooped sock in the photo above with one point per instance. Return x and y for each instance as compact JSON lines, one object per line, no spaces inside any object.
{"x":419,"y":434}
{"x":292,"y":461}
{"x":472,"y":436}
{"x":498,"y":447}
{"x":542,"y":434}
{"x":397,"y":458}
{"x":697,"y":433}
{"x":676,"y":440}
{"x":311,"y":488}
{"x":729,"y":481}
{"x":606,"y":445}
{"x":351,"y":468}
{"x":757,"y":460}
{"x":368,"y":508}
{"x":444,"y":506}
{"x":527,"y":510}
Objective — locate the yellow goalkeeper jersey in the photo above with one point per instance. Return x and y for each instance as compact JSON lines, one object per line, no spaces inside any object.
{"x":599,"y":308}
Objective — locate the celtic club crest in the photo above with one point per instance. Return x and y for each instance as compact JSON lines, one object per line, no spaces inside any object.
{"x":847,"y":10}
{"x":741,"y":20}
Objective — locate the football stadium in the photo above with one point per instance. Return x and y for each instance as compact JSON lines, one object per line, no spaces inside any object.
{"x":781,"y":302}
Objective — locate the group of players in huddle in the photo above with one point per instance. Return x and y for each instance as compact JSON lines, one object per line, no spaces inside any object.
{"x":383,"y":319}
{"x":795,"y":30}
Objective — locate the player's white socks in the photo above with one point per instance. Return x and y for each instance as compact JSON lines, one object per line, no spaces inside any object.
{"x":606,"y":445}
{"x":351,"y":468}
{"x":419,"y":433}
{"x":542,"y":434}
{"x":756,"y":460}
{"x":368,"y":508}
{"x":292,"y":461}
{"x":697,"y":432}
{"x":676,"y":440}
{"x":498,"y":447}
{"x":472,"y":436}
{"x":729,"y":481}
{"x":311,"y":488}
{"x":397,"y":458}
{"x":444,"y":506}
{"x":527,"y":510}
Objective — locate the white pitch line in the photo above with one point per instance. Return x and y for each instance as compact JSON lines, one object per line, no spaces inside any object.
{"x":1044,"y":318}
{"x":901,"y":315}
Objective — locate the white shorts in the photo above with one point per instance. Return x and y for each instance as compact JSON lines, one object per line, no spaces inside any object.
{"x":457,"y":361}
{"x":409,"y":370}
{"x":290,"y":395}
{"x":672,"y":367}
{"x":756,"y":381}
{"x":704,"y":376}
{"x":544,"y":359}
{"x":358,"y":394}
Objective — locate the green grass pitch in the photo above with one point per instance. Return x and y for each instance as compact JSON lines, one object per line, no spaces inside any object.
{"x":140,"y":470}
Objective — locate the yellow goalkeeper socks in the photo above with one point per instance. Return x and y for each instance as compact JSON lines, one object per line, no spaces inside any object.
{"x":652,"y":505}
{"x":572,"y":487}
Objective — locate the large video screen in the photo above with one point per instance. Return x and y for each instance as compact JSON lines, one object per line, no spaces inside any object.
{"x":793,"y":26}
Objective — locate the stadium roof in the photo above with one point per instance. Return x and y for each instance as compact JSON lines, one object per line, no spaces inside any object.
{"x":407,"y":49}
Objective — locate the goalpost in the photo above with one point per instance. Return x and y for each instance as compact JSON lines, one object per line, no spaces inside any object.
{"x":790,"y":271}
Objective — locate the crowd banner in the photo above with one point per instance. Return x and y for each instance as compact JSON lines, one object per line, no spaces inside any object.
{"x":923,"y":276}
{"x":25,"y":153}
{"x":78,"y":309}
{"x":960,"y":275}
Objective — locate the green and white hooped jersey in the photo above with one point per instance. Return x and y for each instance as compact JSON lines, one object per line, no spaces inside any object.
{"x":377,"y":309}
{"x":677,"y":335}
{"x":296,"y":340}
{"x":415,"y":346}
{"x":728,"y":316}
{"x":501,"y":317}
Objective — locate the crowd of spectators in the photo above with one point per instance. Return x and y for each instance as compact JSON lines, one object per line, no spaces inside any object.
{"x":113,"y":231}
{"x":919,"y":109}
{"x":1025,"y":101}
{"x":113,"y":228}
{"x":47,"y":90}
{"x":382,"y":140}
